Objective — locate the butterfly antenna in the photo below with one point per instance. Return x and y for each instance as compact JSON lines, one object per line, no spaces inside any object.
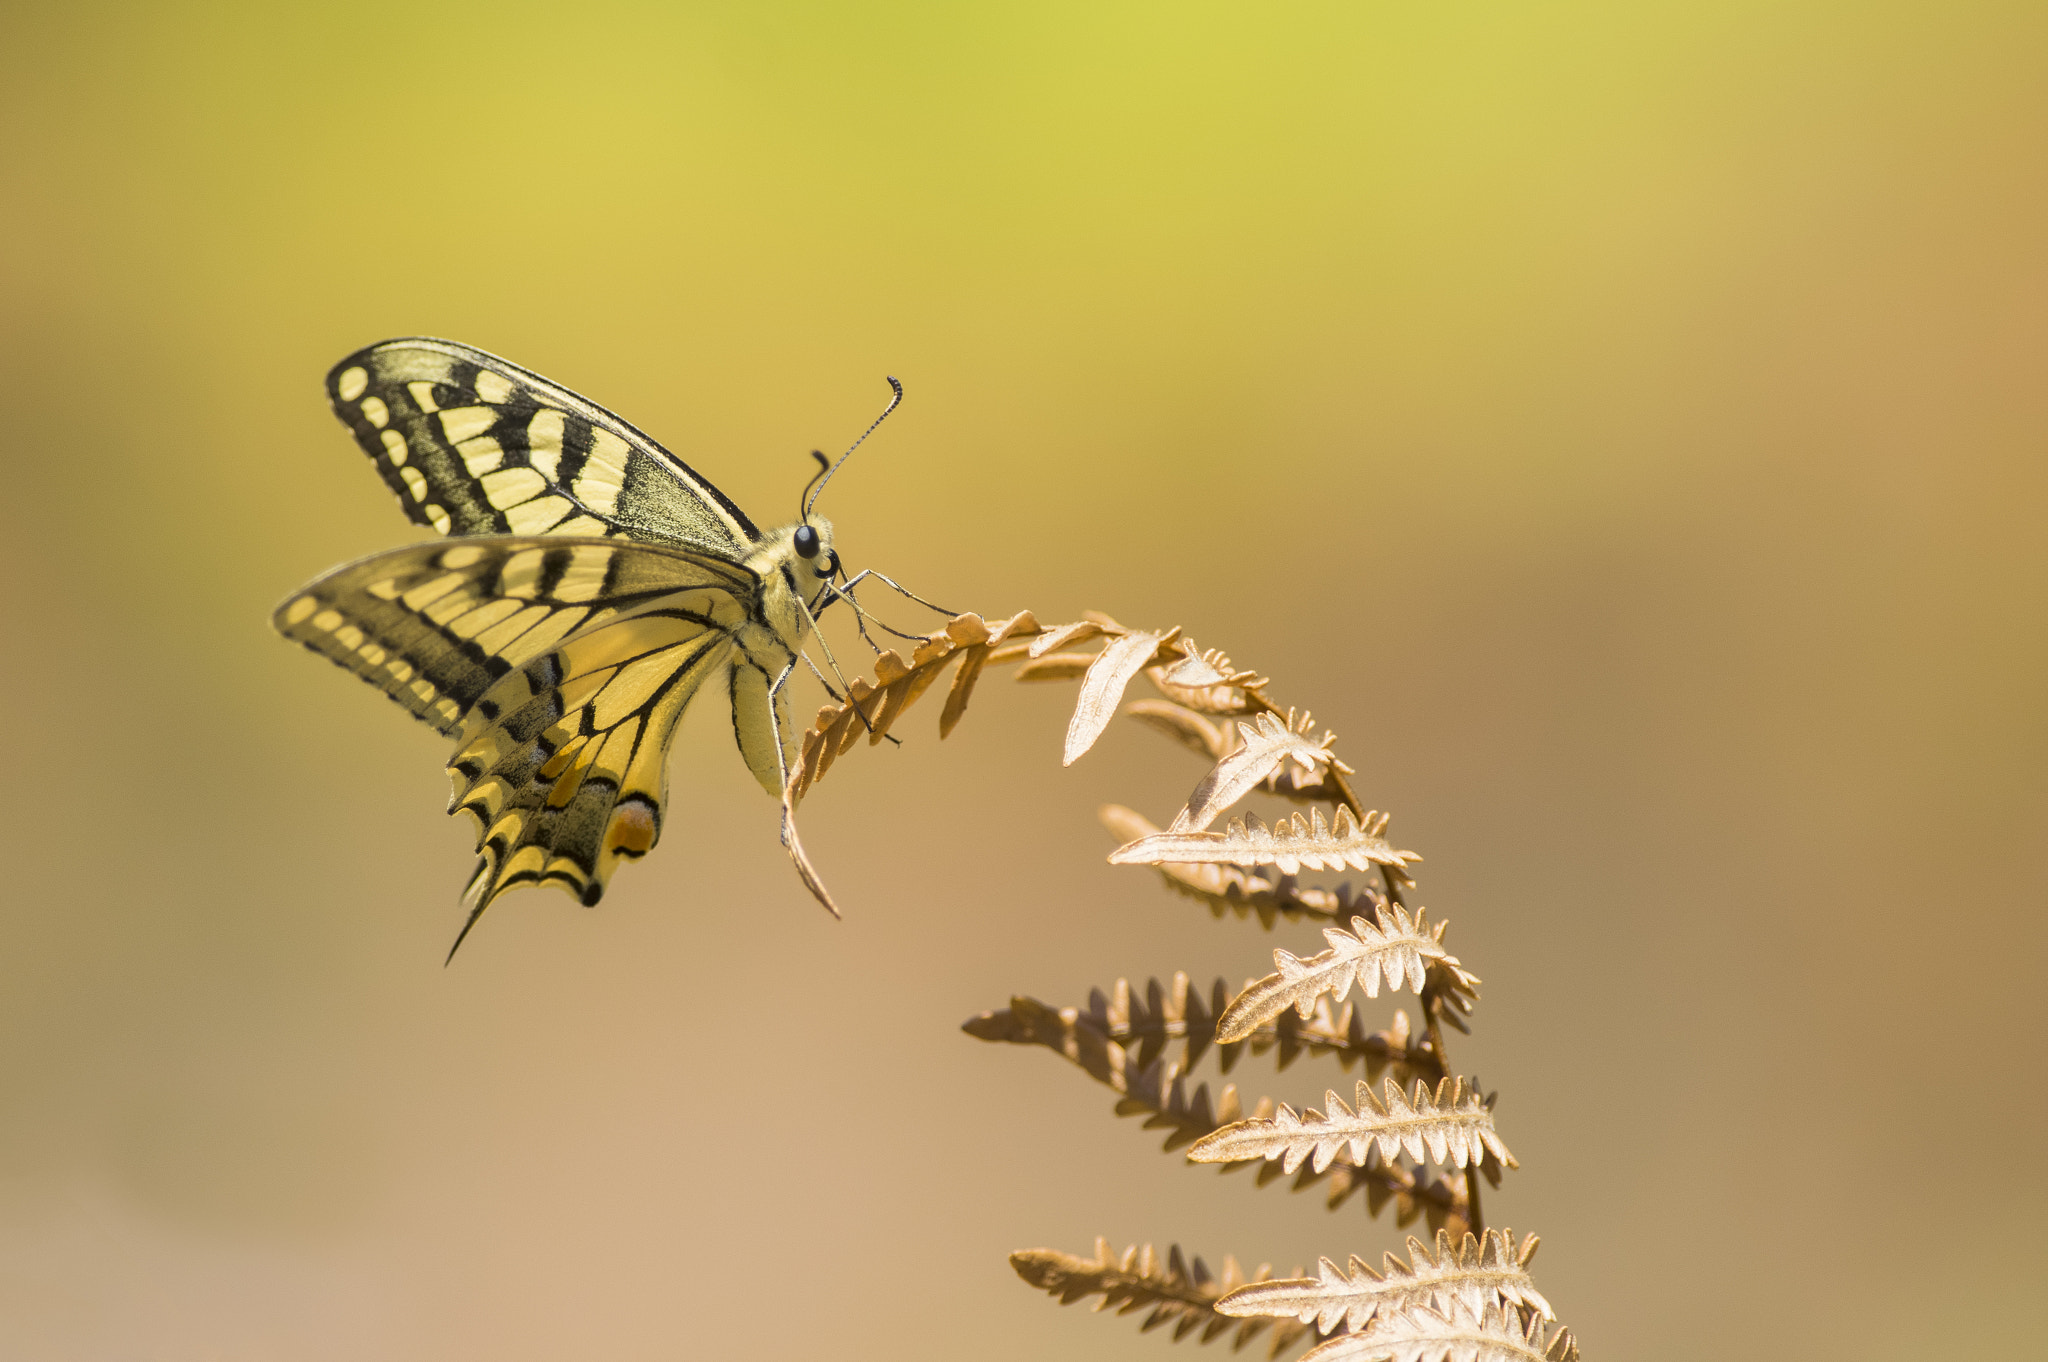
{"x":803,"y":512}
{"x":897,"y":388}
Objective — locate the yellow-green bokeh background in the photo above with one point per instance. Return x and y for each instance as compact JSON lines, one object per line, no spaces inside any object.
{"x":1624,"y":423}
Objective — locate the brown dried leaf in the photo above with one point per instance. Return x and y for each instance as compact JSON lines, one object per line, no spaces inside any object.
{"x":1476,"y":1272}
{"x":1265,"y":745}
{"x":1159,"y":1093}
{"x":1290,"y":844}
{"x":1177,"y":1291}
{"x":1419,"y":1334}
{"x":873,"y":707}
{"x":804,"y":869}
{"x":1227,"y":889}
{"x":1401,"y":947}
{"x":1103,"y":690}
{"x":1080,"y":631}
{"x":1207,"y":683}
{"x":1454,"y":1125}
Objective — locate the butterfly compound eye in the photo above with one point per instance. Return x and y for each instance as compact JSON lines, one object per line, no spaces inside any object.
{"x":806,"y":542}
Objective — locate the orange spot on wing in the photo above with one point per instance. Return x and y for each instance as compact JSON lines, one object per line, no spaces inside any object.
{"x":631,"y":831}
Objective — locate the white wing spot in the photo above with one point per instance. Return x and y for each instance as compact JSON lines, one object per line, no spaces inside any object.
{"x":327,"y":620}
{"x":414,"y":483}
{"x":481,"y":455}
{"x":439,"y":518}
{"x":544,"y":442}
{"x":348,"y":636}
{"x":394,"y":447}
{"x":462,"y":423}
{"x":353,"y":380}
{"x":372,"y":654}
{"x":375,"y":412}
{"x":604,"y":472}
{"x":537,"y":516}
{"x":510,"y":486}
{"x":423,"y":396}
{"x":296,"y":612}
{"x":461,"y":556}
{"x":493,"y":387}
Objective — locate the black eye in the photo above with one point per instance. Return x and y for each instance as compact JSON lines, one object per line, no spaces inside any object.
{"x":806,"y":542}
{"x":828,"y":565}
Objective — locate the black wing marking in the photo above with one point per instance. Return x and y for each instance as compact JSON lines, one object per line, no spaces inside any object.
{"x":473,"y":444}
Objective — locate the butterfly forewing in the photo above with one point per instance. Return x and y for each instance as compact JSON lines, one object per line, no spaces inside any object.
{"x":473,"y":444}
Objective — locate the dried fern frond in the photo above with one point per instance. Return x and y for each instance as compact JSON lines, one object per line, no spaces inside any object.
{"x":1227,"y":889}
{"x":1401,"y":947}
{"x":1158,"y":1091}
{"x":1265,"y":745}
{"x":1195,"y":732}
{"x":1102,"y":690}
{"x":873,"y":707}
{"x":1454,"y":1125}
{"x":1496,"y":1334}
{"x":1475,"y":1271}
{"x":1289,"y":844}
{"x":1206,"y":683}
{"x":1177,"y":1291}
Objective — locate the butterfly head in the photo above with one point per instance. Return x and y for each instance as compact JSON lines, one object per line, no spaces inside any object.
{"x":811,"y":542}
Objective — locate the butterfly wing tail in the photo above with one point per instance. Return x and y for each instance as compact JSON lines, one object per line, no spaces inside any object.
{"x":563,"y":764}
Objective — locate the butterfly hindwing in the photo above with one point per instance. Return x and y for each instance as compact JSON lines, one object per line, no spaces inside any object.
{"x":434,"y":625}
{"x":563,"y":763}
{"x":473,"y":444}
{"x":559,"y":666}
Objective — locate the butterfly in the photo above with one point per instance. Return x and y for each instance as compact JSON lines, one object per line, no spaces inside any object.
{"x":590,"y":584}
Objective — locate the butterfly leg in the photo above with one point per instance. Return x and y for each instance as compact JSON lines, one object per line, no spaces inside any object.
{"x":898,"y":587}
{"x":862,"y":617}
{"x":831,"y":661}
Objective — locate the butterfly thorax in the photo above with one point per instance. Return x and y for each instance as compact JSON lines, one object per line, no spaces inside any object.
{"x":788,"y":579}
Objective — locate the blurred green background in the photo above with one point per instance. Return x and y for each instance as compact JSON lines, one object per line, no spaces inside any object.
{"x":1623,"y":423}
